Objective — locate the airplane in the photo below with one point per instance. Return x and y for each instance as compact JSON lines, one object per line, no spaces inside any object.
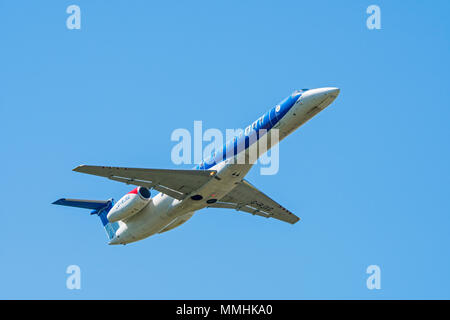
{"x":217,"y":182}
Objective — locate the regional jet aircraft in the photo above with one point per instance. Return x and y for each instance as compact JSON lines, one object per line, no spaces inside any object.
{"x":217,"y":182}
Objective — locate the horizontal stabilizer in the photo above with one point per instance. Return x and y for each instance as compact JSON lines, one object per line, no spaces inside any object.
{"x":85,"y":204}
{"x":99,"y":207}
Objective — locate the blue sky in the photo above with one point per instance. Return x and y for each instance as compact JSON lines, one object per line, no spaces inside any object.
{"x":369,"y":176}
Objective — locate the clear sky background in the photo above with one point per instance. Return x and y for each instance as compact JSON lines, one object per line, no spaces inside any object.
{"x":369,"y":176}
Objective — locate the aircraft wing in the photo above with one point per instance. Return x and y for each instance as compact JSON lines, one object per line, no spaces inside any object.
{"x":247,"y":198}
{"x":175,"y":183}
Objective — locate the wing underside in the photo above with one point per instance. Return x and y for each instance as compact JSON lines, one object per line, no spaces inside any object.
{"x":175,"y":183}
{"x":247,"y":198}
{"x":180,"y":183}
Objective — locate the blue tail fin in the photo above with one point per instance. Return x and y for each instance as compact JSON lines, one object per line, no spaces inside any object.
{"x":99,"y":207}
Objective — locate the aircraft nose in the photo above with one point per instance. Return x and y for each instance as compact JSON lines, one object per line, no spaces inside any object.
{"x":320,"y":97}
{"x":332,"y":91}
{"x":324,"y":92}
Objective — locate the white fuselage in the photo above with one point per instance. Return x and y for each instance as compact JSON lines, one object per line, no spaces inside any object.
{"x":164,"y":212}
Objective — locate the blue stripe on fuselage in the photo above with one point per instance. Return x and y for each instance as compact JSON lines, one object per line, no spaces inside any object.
{"x":267,"y":122}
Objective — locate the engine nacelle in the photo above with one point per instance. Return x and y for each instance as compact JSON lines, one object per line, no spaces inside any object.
{"x":130,"y":204}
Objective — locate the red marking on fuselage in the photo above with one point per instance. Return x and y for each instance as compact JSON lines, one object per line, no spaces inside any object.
{"x":134,"y":191}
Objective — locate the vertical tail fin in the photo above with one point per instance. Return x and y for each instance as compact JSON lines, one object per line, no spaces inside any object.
{"x":110,"y":227}
{"x":99,"y":207}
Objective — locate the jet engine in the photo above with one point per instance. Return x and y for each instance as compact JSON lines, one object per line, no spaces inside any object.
{"x":130,"y":204}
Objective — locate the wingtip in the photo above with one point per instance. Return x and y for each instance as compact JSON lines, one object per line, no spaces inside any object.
{"x":297,"y":219}
{"x":58,"y":201}
{"x":78,"y":168}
